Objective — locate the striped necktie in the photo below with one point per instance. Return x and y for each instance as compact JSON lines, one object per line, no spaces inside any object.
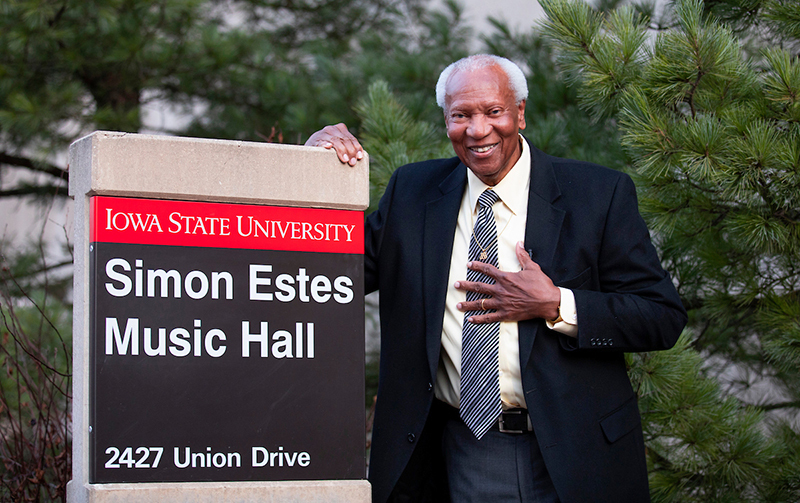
{"x":480,"y":385}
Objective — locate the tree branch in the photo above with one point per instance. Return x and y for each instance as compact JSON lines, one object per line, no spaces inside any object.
{"x":35,"y":190}
{"x":780,"y":405}
{"x":40,"y":270}
{"x":39,"y":166}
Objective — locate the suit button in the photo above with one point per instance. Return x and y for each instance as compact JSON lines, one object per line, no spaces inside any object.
{"x":611,"y":342}
{"x":430,"y":387}
{"x":411,"y":438}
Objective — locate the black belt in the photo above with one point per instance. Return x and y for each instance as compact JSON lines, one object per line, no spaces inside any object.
{"x":510,"y":421}
{"x":514,"y":421}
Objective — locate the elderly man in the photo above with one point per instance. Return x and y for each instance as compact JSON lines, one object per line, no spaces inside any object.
{"x":511,"y":283}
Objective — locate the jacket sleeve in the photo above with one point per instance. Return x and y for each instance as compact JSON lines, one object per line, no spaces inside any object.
{"x":636,"y":307}
{"x":374,"y":229}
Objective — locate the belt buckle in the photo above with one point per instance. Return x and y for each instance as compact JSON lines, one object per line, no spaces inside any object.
{"x":501,"y":422}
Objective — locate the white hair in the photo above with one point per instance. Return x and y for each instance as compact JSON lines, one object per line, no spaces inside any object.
{"x":516,"y":79}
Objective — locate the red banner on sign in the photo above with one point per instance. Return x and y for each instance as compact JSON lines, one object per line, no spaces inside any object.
{"x":225,"y":225}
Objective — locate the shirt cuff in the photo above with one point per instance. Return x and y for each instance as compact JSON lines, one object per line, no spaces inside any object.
{"x":569,"y":323}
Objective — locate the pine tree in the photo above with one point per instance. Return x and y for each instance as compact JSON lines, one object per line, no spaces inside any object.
{"x":243,"y":69}
{"x":708,"y":111}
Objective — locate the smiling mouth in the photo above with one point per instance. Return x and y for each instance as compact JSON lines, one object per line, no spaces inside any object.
{"x":481,"y":150}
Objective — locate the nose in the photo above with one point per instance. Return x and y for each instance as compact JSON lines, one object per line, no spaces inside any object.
{"x":479,"y":127}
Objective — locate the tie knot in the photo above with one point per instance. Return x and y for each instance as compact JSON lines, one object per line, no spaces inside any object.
{"x":488,"y":198}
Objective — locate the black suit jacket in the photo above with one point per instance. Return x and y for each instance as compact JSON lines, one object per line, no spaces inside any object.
{"x":584,"y":230}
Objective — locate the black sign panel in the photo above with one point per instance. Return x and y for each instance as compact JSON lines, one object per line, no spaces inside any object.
{"x":223,"y":364}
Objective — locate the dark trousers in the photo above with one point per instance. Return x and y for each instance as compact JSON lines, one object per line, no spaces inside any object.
{"x":498,"y":468}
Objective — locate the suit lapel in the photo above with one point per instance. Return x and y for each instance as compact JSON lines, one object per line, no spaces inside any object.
{"x":441,"y":215}
{"x":541,"y":233}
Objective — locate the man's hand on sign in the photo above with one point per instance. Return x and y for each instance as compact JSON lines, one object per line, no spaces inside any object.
{"x":339,"y":138}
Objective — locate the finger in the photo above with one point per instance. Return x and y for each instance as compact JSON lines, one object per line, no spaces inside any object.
{"x":476,"y":286}
{"x":347,"y":145}
{"x":522,"y":255}
{"x":480,"y":319}
{"x":476,"y":305}
{"x":483,"y":267}
{"x":318,"y":139}
{"x":343,"y":151}
{"x":339,"y":138}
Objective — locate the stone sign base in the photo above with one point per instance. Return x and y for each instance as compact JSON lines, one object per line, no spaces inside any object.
{"x":320,"y":491}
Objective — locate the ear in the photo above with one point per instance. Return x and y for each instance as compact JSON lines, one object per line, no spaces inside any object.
{"x":521,"y":114}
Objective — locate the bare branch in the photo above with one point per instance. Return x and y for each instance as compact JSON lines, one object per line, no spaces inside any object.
{"x":35,"y":165}
{"x":35,"y":190}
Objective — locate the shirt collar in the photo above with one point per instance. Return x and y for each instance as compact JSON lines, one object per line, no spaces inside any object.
{"x":509,"y":188}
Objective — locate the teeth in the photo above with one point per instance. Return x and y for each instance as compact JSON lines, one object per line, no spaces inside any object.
{"x":481,"y":150}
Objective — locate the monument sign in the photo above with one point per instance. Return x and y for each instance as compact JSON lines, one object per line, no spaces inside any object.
{"x":221,"y":336}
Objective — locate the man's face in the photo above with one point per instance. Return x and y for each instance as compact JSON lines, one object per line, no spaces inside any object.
{"x":483,"y":122}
